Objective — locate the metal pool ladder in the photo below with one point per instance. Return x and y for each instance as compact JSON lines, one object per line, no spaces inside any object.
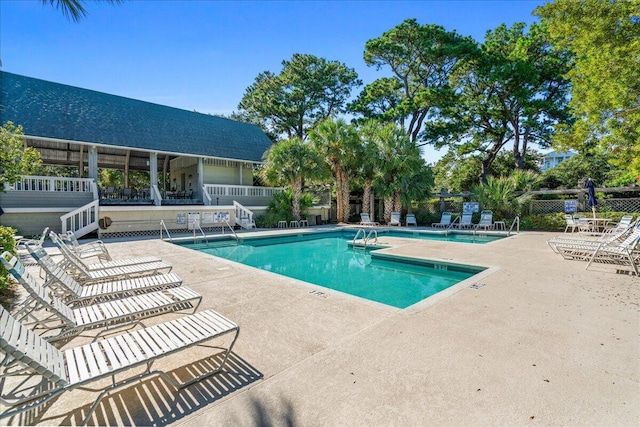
{"x":365,"y":237}
{"x":232,"y":230}
{"x":196,"y":224}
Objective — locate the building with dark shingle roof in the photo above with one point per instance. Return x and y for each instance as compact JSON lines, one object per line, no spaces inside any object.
{"x":191,"y":159}
{"x":58,"y":112}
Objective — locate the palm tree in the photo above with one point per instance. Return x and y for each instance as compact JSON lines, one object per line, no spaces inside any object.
{"x":73,"y":9}
{"x":338,"y":142}
{"x":289,"y":163}
{"x":368,"y":159}
{"x":399,"y":161}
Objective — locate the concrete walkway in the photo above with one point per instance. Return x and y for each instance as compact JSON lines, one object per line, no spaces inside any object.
{"x":540,"y":341}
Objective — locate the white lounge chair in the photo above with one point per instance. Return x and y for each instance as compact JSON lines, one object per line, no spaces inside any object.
{"x":486,"y":220}
{"x":21,"y":244}
{"x":395,"y":219}
{"x":28,"y":355}
{"x":72,"y":320}
{"x":411,"y":220}
{"x":625,"y":252}
{"x":93,"y":249}
{"x":366,"y":220}
{"x":71,"y":255}
{"x":621,"y":249}
{"x":445,"y":220}
{"x":70,"y":290}
{"x":81,"y":273}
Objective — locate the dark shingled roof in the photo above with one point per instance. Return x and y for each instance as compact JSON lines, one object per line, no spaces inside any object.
{"x":54,"y":110}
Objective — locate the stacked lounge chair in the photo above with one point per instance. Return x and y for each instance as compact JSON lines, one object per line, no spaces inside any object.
{"x":71,"y":320}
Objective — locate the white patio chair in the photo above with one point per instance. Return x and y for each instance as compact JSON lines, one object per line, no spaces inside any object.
{"x":42,"y":309}
{"x":366,"y":220}
{"x":445,"y":220}
{"x":26,"y":354}
{"x":411,"y":220}
{"x":572,"y":223}
{"x":486,"y":220}
{"x":395,"y":219}
{"x":466,"y":221}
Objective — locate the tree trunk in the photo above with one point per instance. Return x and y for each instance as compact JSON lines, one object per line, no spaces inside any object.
{"x":345,"y":198}
{"x":388,"y":208}
{"x":297,"y":192}
{"x":338,"y":194}
{"x":366,"y":197}
{"x":397,"y":202}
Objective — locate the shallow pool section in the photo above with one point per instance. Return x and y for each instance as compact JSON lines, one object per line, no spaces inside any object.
{"x":327,"y":260}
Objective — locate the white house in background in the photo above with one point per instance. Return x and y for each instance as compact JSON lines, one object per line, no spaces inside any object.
{"x":554,"y":158}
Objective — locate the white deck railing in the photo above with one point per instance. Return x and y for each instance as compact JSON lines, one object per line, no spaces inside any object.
{"x":82,"y":220}
{"x":218,"y":190}
{"x":51,"y":183}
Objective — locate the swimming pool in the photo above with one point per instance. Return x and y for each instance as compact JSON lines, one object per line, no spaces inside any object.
{"x":326,"y":259}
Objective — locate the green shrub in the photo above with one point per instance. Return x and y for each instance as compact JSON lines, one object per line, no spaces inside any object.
{"x":8,"y":244}
{"x":281,"y":209}
{"x":547,"y":222}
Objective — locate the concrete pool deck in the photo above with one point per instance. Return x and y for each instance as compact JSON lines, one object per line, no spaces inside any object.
{"x":537,"y":341}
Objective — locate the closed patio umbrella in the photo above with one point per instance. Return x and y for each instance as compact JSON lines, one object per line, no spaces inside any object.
{"x":592,"y":202}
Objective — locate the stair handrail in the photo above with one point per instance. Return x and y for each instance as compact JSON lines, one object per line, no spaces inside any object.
{"x":82,"y":220}
{"x":516,"y":220}
{"x":207,"y":197}
{"x":163,"y":225}
{"x":240,"y":210}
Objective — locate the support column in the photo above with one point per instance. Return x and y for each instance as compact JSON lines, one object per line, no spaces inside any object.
{"x":200,"y":179}
{"x":240,"y":165}
{"x":126,"y":169}
{"x":153,"y":171}
{"x":165,"y":167}
{"x":81,"y":162}
{"x":93,"y":163}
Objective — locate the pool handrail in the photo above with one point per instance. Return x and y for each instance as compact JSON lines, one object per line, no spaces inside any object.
{"x":516,"y":220}
{"x":163,"y":225}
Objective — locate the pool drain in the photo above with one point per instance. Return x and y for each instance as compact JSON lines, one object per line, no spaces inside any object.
{"x":477,"y":285}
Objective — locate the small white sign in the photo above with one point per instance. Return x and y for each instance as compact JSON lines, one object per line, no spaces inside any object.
{"x":470,"y":207}
{"x":207,"y":217}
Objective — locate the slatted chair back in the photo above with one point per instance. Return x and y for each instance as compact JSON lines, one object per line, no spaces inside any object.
{"x":486,"y":218}
{"x":54,"y":271}
{"x":466,"y":219}
{"x":37,"y":293}
{"x":26,"y":347}
{"x":70,"y":257}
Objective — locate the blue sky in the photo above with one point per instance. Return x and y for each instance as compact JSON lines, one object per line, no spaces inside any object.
{"x":202,"y":55}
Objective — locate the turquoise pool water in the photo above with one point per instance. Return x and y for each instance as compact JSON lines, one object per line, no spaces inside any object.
{"x":327,"y":260}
